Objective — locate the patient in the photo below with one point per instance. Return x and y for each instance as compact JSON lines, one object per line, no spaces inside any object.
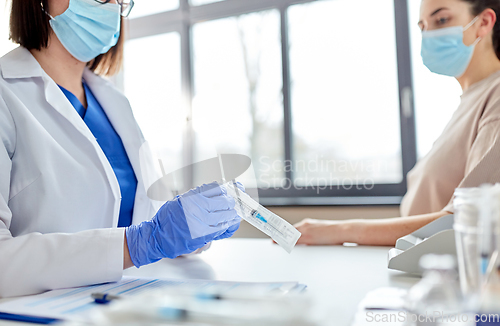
{"x":467,"y":154}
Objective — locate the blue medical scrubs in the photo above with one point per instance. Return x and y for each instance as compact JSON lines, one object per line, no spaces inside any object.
{"x":97,"y":121}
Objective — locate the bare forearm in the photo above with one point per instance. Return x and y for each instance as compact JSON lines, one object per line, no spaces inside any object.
{"x":127,"y":261}
{"x":385,"y":232}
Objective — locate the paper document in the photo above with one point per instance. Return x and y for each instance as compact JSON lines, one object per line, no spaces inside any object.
{"x":379,"y":304}
{"x":76,"y":303}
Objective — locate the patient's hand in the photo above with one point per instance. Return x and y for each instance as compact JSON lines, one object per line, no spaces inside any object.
{"x":323,"y":232}
{"x":373,"y":232}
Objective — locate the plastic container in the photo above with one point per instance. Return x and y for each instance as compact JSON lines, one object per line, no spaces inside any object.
{"x":436,"y":299}
{"x":467,"y":206}
{"x":477,"y":236}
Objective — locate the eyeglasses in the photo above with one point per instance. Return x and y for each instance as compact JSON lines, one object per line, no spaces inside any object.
{"x":126,"y":5}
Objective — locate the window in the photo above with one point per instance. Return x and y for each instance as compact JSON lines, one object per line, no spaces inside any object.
{"x":238,"y":101}
{"x":324,"y":111}
{"x":202,"y":2}
{"x":339,"y":89}
{"x":148,"y":7}
{"x":152,"y":83}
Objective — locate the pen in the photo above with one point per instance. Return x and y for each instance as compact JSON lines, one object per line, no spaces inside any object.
{"x":103,"y":298}
{"x":169,"y":313}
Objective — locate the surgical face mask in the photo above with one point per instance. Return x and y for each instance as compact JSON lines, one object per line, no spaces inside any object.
{"x":444,"y":51}
{"x":87,"y":28}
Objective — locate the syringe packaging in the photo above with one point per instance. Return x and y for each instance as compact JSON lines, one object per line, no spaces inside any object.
{"x":271,"y":224}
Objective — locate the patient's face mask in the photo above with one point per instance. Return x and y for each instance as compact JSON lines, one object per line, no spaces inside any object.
{"x":87,"y":28}
{"x":444,"y":51}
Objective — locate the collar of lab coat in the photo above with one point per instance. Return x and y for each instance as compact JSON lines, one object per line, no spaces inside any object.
{"x":20,"y":63}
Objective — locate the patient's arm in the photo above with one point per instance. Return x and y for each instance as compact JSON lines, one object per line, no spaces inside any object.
{"x":380,"y":232}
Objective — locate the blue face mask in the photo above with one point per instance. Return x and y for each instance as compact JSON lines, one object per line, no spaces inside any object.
{"x":444,"y":51}
{"x":87,"y":28}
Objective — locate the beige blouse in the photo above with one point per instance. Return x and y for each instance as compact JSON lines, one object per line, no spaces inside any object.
{"x":467,"y":154}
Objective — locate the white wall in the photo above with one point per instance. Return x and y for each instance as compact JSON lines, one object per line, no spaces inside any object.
{"x":5,"y":44}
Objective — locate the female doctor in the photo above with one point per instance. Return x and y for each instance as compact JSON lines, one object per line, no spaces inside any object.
{"x":72,"y":197}
{"x":461,"y":39}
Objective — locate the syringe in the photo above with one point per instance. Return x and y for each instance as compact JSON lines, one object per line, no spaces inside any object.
{"x":260,"y":217}
{"x":253,"y":212}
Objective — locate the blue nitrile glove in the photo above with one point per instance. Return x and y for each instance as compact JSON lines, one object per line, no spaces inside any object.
{"x":184,"y":224}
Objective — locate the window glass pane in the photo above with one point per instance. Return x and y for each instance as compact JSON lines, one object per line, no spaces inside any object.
{"x":148,"y":7}
{"x":436,"y":97}
{"x":345,"y":100}
{"x":152,"y":82}
{"x":5,"y":44}
{"x":202,"y":2}
{"x":237,"y":106}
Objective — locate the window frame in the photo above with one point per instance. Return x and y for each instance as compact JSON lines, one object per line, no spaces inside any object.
{"x":182,"y":20}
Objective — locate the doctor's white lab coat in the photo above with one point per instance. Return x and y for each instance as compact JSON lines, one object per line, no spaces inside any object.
{"x":59,"y":196}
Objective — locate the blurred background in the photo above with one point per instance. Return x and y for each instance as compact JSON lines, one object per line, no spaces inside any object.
{"x":329,"y":98}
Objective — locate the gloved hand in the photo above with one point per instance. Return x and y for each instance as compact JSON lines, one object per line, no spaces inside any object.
{"x":184,"y":224}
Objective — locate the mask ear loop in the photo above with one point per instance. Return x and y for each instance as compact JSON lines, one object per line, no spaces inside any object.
{"x":45,"y":11}
{"x":469,"y":25}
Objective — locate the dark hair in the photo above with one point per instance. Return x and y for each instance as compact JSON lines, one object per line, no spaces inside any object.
{"x":30,"y":28}
{"x":478,"y":6}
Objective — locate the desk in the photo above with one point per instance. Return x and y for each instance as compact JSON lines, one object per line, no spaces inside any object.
{"x":338,"y":277}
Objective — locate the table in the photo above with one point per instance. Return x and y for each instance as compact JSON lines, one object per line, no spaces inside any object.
{"x":338,"y":277}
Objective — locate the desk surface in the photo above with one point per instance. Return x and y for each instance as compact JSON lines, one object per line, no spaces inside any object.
{"x":338,"y":277}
